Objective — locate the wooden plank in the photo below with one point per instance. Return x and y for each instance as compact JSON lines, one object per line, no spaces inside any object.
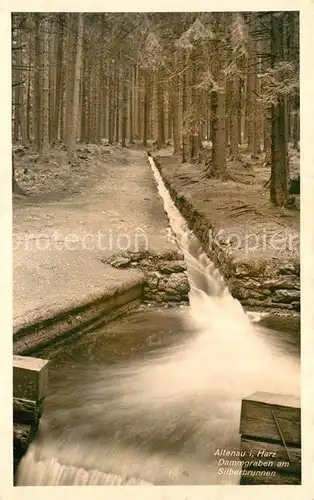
{"x":25,"y":411}
{"x":275,"y":399}
{"x":279,"y":478}
{"x":257,"y":418}
{"x":30,"y":378}
{"x":274,"y":454}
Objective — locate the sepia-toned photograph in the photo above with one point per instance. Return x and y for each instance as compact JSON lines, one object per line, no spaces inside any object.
{"x":156,"y":259}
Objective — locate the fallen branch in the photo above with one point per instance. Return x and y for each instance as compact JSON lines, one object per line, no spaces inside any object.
{"x":252,"y":210}
{"x":239,"y":207}
{"x":267,"y":183}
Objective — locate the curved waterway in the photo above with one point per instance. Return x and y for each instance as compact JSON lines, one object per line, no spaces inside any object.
{"x":150,"y":399}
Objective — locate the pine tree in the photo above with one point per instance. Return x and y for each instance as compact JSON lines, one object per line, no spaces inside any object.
{"x":73,"y":122}
{"x":279,"y":159}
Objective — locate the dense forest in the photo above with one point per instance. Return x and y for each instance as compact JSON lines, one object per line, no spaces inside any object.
{"x":230,"y":80}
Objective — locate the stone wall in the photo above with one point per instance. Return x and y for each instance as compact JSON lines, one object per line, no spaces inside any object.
{"x":165,"y":274}
{"x":262,"y":284}
{"x":54,"y":327}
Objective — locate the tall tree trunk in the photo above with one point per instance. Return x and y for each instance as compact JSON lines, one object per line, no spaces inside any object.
{"x":279,"y":165}
{"x":234,"y":118}
{"x":186,"y":93}
{"x":266,"y":122}
{"x":59,"y":83}
{"x":207,"y":116}
{"x":131,"y":113}
{"x":111,"y":106}
{"x":125,"y":107}
{"x":62,"y":108}
{"x":91,"y":86}
{"x":138,"y":104}
{"x":38,"y":85}
{"x":228,"y":112}
{"x":17,"y":82}
{"x":98,"y":103}
{"x":102,"y":87}
{"x":29,"y":83}
{"x":176,"y":111}
{"x":218,"y":112}
{"x":146,"y":106}
{"x":52,"y":77}
{"x":45,"y":107}
{"x":16,"y":189}
{"x":69,"y":84}
{"x":250,"y":102}
{"x":296,"y":122}
{"x":258,"y":110}
{"x":84,"y":86}
{"x":106,"y":111}
{"x":170,"y":111}
{"x":117,"y":114}
{"x":92,"y":97}
{"x":72,"y":133}
{"x":240,"y":109}
{"x":267,"y":136}
{"x":24,"y":90}
{"x":295,"y":101}
{"x":160,"y":109}
{"x":195,"y":137}
{"x":154,"y":109}
{"x":253,"y":111}
{"x":218,"y":167}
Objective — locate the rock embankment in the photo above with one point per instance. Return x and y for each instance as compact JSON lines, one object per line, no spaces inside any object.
{"x":271,"y":284}
{"x":263,"y":276}
{"x":30,"y":383}
{"x":165,"y":274}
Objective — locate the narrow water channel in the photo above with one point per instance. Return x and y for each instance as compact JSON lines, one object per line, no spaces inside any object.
{"x":150,"y":398}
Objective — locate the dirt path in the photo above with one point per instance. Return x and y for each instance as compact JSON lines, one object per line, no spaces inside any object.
{"x":68,"y":223}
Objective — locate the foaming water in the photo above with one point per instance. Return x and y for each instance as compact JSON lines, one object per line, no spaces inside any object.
{"x":229,"y":347}
{"x":159,"y":419}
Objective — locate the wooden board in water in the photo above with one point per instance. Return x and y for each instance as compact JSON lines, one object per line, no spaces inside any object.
{"x":279,"y":478}
{"x":260,"y":411}
{"x":271,"y":456}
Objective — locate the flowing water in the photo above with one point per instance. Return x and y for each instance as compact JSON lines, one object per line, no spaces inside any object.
{"x":149,"y":399}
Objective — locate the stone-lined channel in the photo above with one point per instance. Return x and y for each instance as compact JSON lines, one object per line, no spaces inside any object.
{"x":150,"y":398}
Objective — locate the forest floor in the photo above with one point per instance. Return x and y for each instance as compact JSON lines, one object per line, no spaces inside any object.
{"x":73,"y":218}
{"x":240,"y":207}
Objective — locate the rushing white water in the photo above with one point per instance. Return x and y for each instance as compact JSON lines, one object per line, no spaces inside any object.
{"x":160,"y":420}
{"x":229,"y":348}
